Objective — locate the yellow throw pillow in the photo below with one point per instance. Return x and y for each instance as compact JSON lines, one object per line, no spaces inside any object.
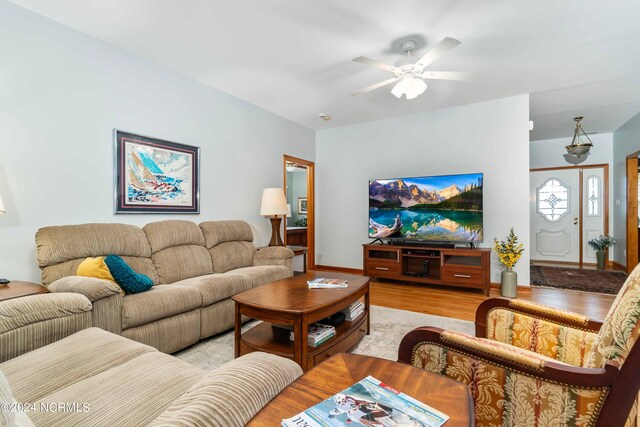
{"x":96,"y":267}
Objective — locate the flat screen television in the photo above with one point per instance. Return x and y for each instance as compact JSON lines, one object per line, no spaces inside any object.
{"x":445,"y":208}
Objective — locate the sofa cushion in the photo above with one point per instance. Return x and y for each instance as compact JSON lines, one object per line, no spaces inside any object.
{"x":178,"y":250}
{"x":157,"y":303}
{"x":86,"y":353}
{"x":216,"y":232}
{"x":217,"y":287}
{"x":129,"y":280}
{"x":61,"y":249}
{"x":232,"y":394}
{"x":133,"y":393}
{"x":170,"y":233}
{"x":263,"y":274}
{"x":231,"y":255}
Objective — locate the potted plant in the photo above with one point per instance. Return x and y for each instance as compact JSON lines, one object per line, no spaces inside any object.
{"x":509,"y":252}
{"x":600,"y":245}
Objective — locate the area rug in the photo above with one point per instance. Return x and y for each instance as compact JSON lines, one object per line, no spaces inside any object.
{"x":604,"y":282}
{"x":388,"y":326}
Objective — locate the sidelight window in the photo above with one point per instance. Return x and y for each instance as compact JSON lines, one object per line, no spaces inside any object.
{"x":593,"y":196}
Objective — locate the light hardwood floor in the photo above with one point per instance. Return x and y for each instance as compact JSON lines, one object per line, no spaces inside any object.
{"x":462,"y":303}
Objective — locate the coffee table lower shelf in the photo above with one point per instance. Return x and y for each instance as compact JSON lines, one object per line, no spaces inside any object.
{"x":260,"y":338}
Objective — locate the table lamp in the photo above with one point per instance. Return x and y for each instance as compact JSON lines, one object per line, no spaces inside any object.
{"x":274,"y":203}
{"x":2,"y":211}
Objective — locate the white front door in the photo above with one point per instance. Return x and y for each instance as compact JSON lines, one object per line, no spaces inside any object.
{"x":555,"y":211}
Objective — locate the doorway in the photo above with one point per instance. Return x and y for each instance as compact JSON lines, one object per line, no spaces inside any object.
{"x":299,"y":187}
{"x":568,"y":207}
{"x":633,"y":220}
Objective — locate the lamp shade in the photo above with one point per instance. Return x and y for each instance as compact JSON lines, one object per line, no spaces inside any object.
{"x":1,"y":206}
{"x":273,"y":202}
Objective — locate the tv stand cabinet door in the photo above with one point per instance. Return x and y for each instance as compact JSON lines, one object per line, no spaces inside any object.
{"x":381,"y":261}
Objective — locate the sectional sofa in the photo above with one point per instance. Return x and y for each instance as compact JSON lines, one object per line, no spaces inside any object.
{"x":91,"y":377}
{"x":195,"y":268}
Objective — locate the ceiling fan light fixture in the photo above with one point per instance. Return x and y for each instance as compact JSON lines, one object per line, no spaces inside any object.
{"x":417,"y":88}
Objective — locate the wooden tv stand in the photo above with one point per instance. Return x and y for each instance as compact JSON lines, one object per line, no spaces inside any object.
{"x":464,"y":267}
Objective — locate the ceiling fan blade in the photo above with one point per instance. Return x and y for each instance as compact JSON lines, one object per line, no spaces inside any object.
{"x":446,"y":75}
{"x":375,"y":86}
{"x":440,"y":49}
{"x":374,"y":63}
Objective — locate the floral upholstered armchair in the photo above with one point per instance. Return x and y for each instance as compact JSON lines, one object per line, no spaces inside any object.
{"x":533,"y":365}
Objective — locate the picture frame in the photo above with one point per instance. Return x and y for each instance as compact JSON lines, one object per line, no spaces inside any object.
{"x":302,"y":205}
{"x":153,"y":175}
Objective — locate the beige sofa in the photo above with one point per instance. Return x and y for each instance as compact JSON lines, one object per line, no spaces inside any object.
{"x":195,"y":269}
{"x":72,"y":374}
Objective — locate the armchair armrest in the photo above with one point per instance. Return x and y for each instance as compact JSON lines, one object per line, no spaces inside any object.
{"x":90,"y":287}
{"x":532,"y":309}
{"x":511,"y":386}
{"x":33,"y":321}
{"x":232,"y":394}
{"x":551,"y":332}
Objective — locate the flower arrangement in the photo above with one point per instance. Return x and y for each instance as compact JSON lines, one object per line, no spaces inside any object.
{"x":509,"y":251}
{"x":601,"y":243}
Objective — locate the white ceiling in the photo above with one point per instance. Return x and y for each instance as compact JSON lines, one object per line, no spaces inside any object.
{"x":293,"y":57}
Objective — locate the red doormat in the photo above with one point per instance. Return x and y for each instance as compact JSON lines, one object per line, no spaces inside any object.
{"x":604,"y":282}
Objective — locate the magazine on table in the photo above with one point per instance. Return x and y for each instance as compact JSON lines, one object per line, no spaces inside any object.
{"x":368,"y":403}
{"x":322,"y":283}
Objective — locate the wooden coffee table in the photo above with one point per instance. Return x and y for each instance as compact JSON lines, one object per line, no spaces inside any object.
{"x":290,"y":302}
{"x":343,"y":370}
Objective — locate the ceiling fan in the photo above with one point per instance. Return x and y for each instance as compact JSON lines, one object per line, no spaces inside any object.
{"x":410,"y":73}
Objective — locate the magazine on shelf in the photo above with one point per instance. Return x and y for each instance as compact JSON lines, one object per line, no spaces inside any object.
{"x":317,"y":334}
{"x":368,"y":403}
{"x":353,"y":311}
{"x":322,"y":283}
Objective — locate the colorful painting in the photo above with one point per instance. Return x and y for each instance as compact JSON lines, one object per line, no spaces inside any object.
{"x":155,"y":176}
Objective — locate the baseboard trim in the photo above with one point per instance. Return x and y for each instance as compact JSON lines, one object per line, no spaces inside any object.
{"x":498,"y":286}
{"x":617,"y":265}
{"x":358,"y":271}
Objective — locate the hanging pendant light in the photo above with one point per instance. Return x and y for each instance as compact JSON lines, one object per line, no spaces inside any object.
{"x":578,"y":147}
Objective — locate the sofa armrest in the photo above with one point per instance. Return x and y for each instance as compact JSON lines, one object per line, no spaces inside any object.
{"x":33,"y":321}
{"x":232,"y":394}
{"x":274,"y":254}
{"x":105,"y":296}
{"x":90,"y":287}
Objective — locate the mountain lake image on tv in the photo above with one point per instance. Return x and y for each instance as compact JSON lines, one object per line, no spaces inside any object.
{"x":445,"y":208}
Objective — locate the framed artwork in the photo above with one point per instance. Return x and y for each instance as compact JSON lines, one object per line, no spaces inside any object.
{"x":302,"y":205}
{"x":155,"y":176}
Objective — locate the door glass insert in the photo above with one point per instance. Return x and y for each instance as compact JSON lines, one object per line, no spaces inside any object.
{"x":593,"y":196}
{"x":552,"y":200}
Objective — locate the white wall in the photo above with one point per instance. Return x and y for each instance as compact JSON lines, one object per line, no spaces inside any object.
{"x":61,"y":95}
{"x":549,"y":153}
{"x":490,"y":137}
{"x":626,"y":140}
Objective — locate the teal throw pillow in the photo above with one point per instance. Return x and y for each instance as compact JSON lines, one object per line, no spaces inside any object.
{"x":125,"y":277}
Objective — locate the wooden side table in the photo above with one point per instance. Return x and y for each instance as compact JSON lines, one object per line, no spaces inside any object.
{"x":300,"y":250}
{"x":17,"y":289}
